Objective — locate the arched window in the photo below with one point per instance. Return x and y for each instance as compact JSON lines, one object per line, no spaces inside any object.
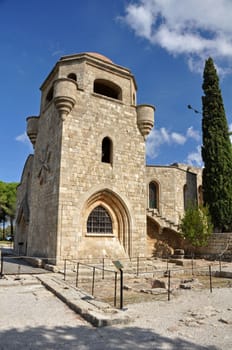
{"x":99,"y":221}
{"x":49,"y":96}
{"x":72,"y":76}
{"x":107,"y":150}
{"x":133,"y":99}
{"x":107,"y":88}
{"x":153,"y":195}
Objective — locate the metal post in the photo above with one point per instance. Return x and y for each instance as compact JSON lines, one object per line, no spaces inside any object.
{"x":121,"y":289}
{"x":169,"y":284}
{"x":17,"y":278}
{"x":103,"y":268}
{"x":220,"y":264}
{"x":93,"y":280}
{"x":1,"y":273}
{"x":192,"y":266}
{"x":210,"y":279}
{"x":64,"y":269}
{"x":137,"y":265}
{"x":77,"y":275}
{"x":115,"y":288}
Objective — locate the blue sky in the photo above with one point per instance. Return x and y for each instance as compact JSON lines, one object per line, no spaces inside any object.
{"x":163,"y":43}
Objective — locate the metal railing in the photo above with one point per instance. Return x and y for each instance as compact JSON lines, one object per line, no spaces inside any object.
{"x":137,"y":267}
{"x":102,"y":280}
{"x":92,"y":274}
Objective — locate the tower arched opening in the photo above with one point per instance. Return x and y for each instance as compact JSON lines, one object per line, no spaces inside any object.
{"x":107,"y":88}
{"x":107,"y":150}
{"x":72,"y":76}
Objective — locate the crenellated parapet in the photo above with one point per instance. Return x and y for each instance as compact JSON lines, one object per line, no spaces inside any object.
{"x":32,"y":129}
{"x":64,"y":96}
{"x":145,"y":119}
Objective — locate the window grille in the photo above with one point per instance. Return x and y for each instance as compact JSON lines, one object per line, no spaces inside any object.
{"x":99,"y":221}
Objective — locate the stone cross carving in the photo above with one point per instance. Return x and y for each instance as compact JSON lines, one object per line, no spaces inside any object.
{"x":44,"y":165}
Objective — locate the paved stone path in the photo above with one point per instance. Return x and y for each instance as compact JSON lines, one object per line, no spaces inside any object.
{"x":33,"y":318}
{"x":18,"y":266}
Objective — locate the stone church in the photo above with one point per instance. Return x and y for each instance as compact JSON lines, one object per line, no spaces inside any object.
{"x":86,"y":191}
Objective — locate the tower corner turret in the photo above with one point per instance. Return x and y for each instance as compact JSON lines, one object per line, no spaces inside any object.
{"x":64,"y":95}
{"x":32,"y":128}
{"x":145,"y":118}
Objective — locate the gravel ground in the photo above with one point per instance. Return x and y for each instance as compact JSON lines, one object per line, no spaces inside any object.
{"x":191,"y":320}
{"x":33,"y":318}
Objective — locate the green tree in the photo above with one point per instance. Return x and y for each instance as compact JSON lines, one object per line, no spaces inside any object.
{"x":3,"y":201}
{"x":2,"y":221}
{"x":216,"y":152}
{"x":196,"y":225}
{"x":7,"y":204}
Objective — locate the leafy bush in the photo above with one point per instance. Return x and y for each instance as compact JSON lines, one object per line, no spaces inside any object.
{"x":196,"y":225}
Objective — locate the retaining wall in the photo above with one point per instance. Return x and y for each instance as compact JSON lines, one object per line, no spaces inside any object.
{"x":219,"y":244}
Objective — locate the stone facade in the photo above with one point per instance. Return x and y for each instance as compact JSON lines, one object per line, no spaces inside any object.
{"x":85,"y":190}
{"x":176,"y":186}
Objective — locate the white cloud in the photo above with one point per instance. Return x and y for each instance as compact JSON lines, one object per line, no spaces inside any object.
{"x":194,"y":134}
{"x":57,"y":53}
{"x":23,"y":138}
{"x":230,"y":130}
{"x":140,"y":20}
{"x":55,"y":49}
{"x":155,"y":139}
{"x":194,"y":158}
{"x":159,"y":137}
{"x":195,"y":28}
{"x":178,"y":138}
{"x":164,"y":135}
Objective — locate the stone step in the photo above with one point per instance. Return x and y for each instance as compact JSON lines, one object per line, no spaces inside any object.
{"x":163,"y":221}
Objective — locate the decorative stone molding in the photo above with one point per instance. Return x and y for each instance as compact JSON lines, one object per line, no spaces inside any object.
{"x":64,"y":96}
{"x":145,"y":119}
{"x":32,"y":129}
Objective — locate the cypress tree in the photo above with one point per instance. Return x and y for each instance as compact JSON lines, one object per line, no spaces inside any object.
{"x":216,"y":152}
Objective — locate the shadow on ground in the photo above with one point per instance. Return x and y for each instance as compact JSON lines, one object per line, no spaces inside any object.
{"x":89,"y":338}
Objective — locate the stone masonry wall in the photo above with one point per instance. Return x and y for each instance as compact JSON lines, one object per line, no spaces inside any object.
{"x":22,"y":208}
{"x":67,"y":176}
{"x":83,"y":174}
{"x":42,"y":238}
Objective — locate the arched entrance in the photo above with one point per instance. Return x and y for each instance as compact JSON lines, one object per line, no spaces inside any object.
{"x":20,"y":243}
